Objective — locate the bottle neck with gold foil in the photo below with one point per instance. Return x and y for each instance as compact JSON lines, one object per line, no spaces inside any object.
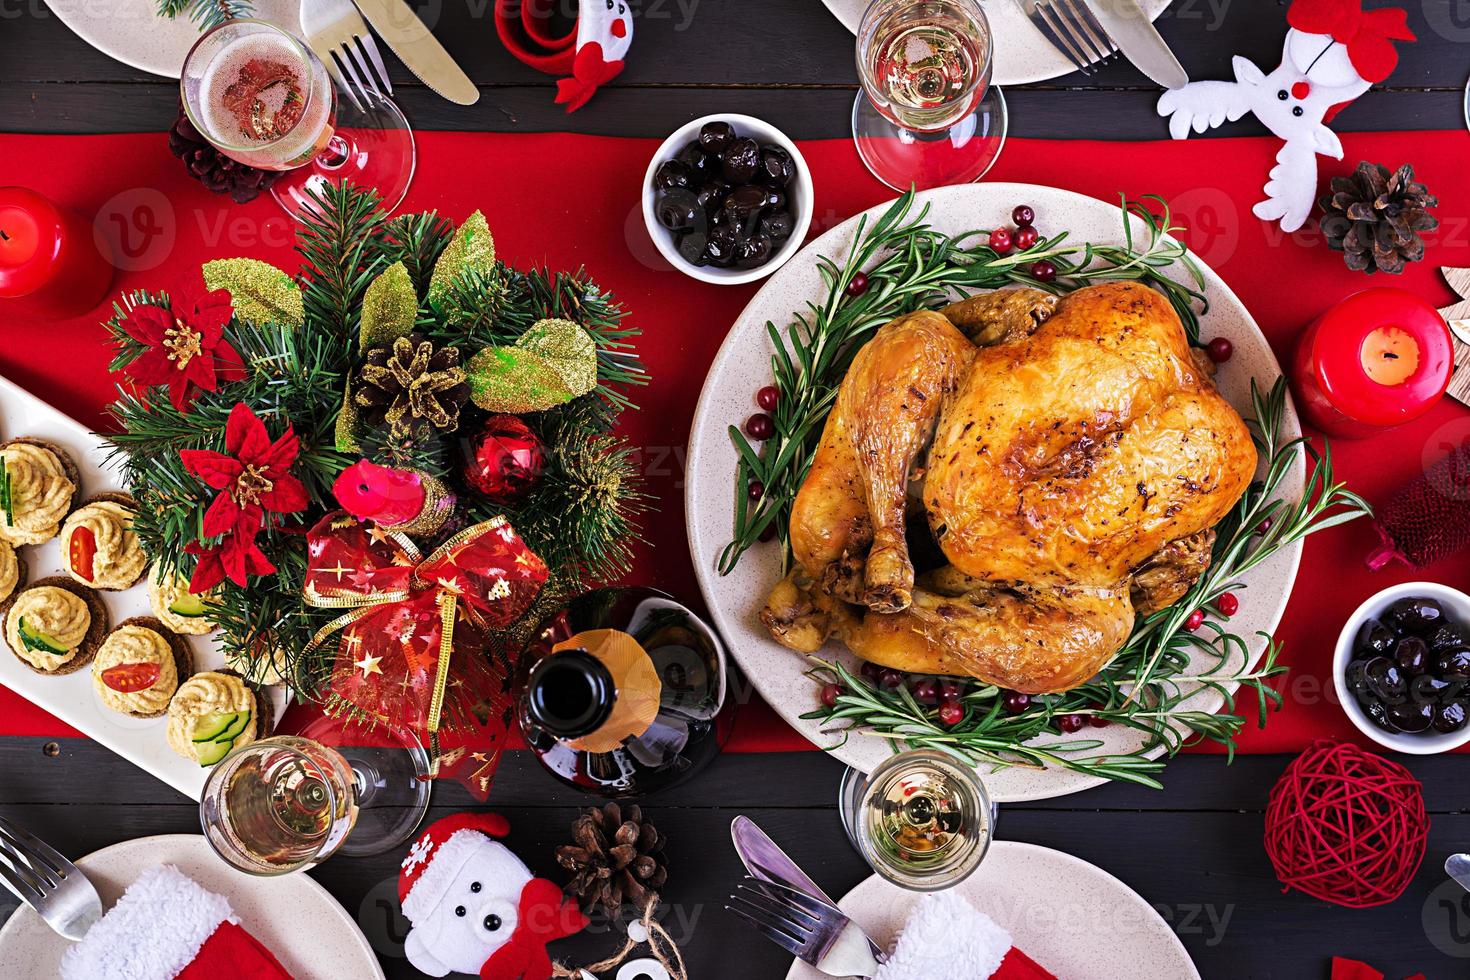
{"x":570,"y":693}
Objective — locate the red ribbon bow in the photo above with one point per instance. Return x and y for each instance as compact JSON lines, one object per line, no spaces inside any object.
{"x":1368,"y":34}
{"x":398,"y":637}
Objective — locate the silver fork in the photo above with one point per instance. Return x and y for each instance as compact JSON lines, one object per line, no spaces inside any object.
{"x":47,"y":882}
{"x":336,"y":32}
{"x":1072,"y":29}
{"x":806,"y":927}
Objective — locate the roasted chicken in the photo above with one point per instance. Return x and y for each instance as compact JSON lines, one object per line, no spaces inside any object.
{"x":1069,"y":458}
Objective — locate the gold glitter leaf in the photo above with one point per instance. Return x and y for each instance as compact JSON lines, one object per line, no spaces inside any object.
{"x":346,"y":432}
{"x":515,"y":380}
{"x":570,"y":349}
{"x":261,"y":292}
{"x":472,"y":248}
{"x":390,"y":306}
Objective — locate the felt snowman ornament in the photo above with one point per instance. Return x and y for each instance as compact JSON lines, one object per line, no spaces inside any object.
{"x":591,"y":53}
{"x":474,"y":906}
{"x":1334,"y":52}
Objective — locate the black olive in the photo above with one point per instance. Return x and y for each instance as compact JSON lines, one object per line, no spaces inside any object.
{"x":778,"y":226}
{"x":743,"y":207}
{"x":695,"y":159}
{"x":777,"y":168}
{"x":1415,"y":615}
{"x":776,"y":199}
{"x":1356,"y":676}
{"x":1445,"y":636}
{"x":1426,"y":689}
{"x":672,"y":173}
{"x":1374,"y":639}
{"x":1386,"y":681}
{"x":711,"y":194}
{"x":691,"y":247}
{"x":1453,"y":663}
{"x":1450,"y":717}
{"x":678,"y":209}
{"x":742,"y":159}
{"x":754,"y":251}
{"x":1411,"y":718}
{"x":1412,"y":655}
{"x":1378,"y":714}
{"x":715,"y":136}
{"x":721,"y":246}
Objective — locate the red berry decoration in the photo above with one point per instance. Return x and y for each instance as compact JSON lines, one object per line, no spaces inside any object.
{"x":760,"y":426}
{"x":1001,"y":240}
{"x":857,"y":285}
{"x":1043,"y":271}
{"x":1095,"y":720}
{"x":768,"y":398}
{"x":1195,"y":621}
{"x":505,"y":459}
{"x":951,"y":714}
{"x":925,"y":691}
{"x":1228,"y":604}
{"x":890,"y":680}
{"x":1015,"y":702}
{"x":830,"y":694}
{"x":1220,"y":350}
{"x":1071,"y":723}
{"x":756,"y":490}
{"x":1027,"y":237}
{"x":1023,"y":216}
{"x":950,"y":690}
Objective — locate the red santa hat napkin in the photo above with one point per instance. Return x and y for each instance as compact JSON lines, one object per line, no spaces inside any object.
{"x":475,"y":907}
{"x":167,"y":927}
{"x":947,"y":938}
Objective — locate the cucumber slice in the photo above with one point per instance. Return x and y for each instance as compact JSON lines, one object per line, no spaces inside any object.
{"x":209,"y":728}
{"x":189,"y":606}
{"x":212,"y":752}
{"x":236,"y":729}
{"x":37,"y":640}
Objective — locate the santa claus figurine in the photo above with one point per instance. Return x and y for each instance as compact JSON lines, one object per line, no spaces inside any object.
{"x":474,"y":906}
{"x":1335,"y":51}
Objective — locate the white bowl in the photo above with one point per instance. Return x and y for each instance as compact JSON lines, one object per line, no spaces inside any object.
{"x":799,"y":197}
{"x":1457,"y":605}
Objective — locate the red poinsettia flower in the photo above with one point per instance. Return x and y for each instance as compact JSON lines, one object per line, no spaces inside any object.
{"x":236,"y":556}
{"x":185,"y":345}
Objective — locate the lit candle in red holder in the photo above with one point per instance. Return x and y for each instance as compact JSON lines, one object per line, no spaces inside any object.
{"x":1379,"y":358}
{"x":49,"y":260}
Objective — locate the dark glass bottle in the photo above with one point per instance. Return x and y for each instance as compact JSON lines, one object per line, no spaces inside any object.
{"x":618,"y":693}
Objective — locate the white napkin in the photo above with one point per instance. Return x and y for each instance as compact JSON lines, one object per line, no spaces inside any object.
{"x":946,"y":938}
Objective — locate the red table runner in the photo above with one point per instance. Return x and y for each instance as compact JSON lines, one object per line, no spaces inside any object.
{"x":569,"y":200}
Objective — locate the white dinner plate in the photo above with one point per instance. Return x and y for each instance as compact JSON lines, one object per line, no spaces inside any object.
{"x":70,"y":697}
{"x":294,"y":917}
{"x":133,"y":32}
{"x":1022,"y":53}
{"x":1071,"y":917}
{"x":743,"y":365}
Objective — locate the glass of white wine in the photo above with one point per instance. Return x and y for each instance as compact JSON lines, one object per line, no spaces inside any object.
{"x":922,"y":819}
{"x":926,"y":114}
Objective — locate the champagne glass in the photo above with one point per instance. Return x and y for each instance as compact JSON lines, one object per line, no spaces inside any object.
{"x":288,"y":802}
{"x":926,"y":114}
{"x":262,"y":98}
{"x":922,"y":819}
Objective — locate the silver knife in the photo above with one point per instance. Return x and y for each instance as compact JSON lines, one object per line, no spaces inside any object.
{"x":397,"y":24}
{"x":1457,"y":866}
{"x":1138,"y":39}
{"x":765,"y":860}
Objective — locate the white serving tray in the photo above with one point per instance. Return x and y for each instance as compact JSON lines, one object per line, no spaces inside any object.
{"x":70,"y":696}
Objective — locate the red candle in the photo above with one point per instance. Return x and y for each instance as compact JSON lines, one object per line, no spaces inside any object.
{"x":1379,"y":358}
{"x":48,"y":257}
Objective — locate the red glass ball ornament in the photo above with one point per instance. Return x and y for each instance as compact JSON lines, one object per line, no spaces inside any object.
{"x":1026,"y":237}
{"x":1001,"y":240}
{"x":505,"y":459}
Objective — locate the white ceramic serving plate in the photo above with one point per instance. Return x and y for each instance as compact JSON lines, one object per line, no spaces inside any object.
{"x":743,"y":365}
{"x":799,"y":197}
{"x":1457,"y":605}
{"x":292,"y":916}
{"x":1071,"y":917}
{"x":1022,"y":53}
{"x":70,"y":696}
{"x":132,"y":31}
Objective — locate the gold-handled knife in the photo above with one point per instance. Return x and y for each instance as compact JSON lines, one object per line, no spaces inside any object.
{"x":400,"y":28}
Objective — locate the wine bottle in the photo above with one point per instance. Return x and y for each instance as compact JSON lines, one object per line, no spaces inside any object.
{"x":619,"y":692}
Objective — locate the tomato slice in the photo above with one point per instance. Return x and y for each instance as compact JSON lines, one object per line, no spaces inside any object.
{"x":83,"y":550}
{"x":128,"y":678}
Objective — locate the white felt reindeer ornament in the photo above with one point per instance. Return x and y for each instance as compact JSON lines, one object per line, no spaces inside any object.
{"x":1335,"y":51}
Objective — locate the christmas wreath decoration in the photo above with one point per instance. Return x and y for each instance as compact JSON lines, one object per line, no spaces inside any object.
{"x":334,"y":440}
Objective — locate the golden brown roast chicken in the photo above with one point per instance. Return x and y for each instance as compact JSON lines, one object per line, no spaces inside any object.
{"x":1070,"y":459}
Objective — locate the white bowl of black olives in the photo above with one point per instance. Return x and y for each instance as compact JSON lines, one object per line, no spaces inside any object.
{"x":727,"y":199}
{"x":1402,"y":668}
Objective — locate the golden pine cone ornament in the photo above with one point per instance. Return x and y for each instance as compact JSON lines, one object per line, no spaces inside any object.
{"x":409,"y":386}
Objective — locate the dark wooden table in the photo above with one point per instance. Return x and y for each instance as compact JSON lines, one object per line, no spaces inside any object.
{"x":1193,"y":850}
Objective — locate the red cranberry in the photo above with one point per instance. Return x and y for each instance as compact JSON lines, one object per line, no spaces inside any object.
{"x":769,"y":534}
{"x":768,"y":398}
{"x":1071,"y":723}
{"x":1043,"y":271}
{"x":871,"y":670}
{"x":1264,"y":526}
{"x":951,"y":714}
{"x":1228,"y":604}
{"x":830,"y":693}
{"x":1220,"y":350}
{"x":857,"y":285}
{"x":891,"y":680}
{"x":950,"y":690}
{"x":1195,"y":621}
{"x":925,"y":691}
{"x":1015,"y":702}
{"x":1001,"y":240}
{"x":1023,"y":216}
{"x":1096,"y":720}
{"x":756,"y":490}
{"x":1027,"y":237}
{"x":760,"y":426}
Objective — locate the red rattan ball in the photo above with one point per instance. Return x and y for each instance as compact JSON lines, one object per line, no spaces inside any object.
{"x":1346,"y":826}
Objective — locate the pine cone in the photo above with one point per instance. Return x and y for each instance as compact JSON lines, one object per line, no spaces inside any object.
{"x":1375,"y":218}
{"x":212,"y":168}
{"x":615,"y":857}
{"x":411,"y":387}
